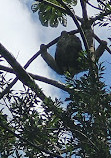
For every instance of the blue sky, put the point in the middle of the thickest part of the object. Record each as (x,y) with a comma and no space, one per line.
(22,33)
(22,36)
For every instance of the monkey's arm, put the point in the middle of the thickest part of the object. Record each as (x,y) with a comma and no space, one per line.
(100,50)
(49,59)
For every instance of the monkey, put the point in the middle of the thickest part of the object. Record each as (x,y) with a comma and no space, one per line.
(66,56)
(69,55)
(67,52)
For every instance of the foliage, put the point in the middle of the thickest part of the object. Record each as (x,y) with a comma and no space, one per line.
(105,9)
(78,127)
(7,140)
(90,108)
(50,15)
(82,129)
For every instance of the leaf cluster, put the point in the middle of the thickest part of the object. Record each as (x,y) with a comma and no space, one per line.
(43,128)
(105,7)
(51,13)
(7,140)
(81,129)
(90,109)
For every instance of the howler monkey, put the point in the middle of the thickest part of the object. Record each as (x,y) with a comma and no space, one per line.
(69,55)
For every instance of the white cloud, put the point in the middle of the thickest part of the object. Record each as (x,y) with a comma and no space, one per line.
(18,31)
(21,36)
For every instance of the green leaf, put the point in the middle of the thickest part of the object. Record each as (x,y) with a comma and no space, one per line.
(52,13)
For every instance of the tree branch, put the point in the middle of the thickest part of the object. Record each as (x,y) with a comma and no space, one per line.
(93,6)
(7,89)
(100,41)
(42,79)
(84,11)
(22,75)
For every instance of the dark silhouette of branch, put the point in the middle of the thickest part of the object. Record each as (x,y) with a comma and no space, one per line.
(42,79)
(101,16)
(6,128)
(93,6)
(7,89)
(84,10)
(22,75)
(7,69)
(100,41)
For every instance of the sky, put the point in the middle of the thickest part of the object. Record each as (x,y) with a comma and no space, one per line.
(22,36)
(22,33)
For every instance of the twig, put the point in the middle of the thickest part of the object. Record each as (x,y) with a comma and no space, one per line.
(93,6)
(101,16)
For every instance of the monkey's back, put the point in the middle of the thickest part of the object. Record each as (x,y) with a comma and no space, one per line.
(67,52)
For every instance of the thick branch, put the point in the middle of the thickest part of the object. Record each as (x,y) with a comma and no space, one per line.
(41,78)
(26,65)
(84,10)
(7,89)
(23,76)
